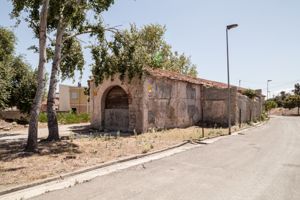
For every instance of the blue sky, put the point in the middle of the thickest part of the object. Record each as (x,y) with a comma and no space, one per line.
(266,45)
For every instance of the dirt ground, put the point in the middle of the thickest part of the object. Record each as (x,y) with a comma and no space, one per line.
(284,111)
(73,153)
(13,126)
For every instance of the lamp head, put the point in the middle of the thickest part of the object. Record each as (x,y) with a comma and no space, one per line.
(231,26)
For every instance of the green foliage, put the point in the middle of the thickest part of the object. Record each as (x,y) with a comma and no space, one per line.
(297,89)
(72,16)
(23,85)
(263,116)
(67,118)
(249,93)
(72,59)
(17,79)
(279,99)
(130,51)
(270,104)
(292,101)
(7,44)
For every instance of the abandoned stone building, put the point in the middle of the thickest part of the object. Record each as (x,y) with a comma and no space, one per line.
(161,99)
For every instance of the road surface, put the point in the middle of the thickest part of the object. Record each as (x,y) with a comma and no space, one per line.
(261,164)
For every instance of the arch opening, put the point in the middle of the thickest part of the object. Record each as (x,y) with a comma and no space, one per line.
(116,110)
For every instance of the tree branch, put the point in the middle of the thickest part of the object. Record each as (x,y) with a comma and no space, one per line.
(110,29)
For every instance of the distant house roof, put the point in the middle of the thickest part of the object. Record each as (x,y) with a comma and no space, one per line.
(186,78)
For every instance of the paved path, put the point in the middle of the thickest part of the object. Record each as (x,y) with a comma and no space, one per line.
(261,164)
(43,132)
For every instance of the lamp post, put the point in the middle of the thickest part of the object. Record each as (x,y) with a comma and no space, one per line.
(268,88)
(228,27)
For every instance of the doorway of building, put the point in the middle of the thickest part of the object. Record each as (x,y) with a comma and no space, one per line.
(116,114)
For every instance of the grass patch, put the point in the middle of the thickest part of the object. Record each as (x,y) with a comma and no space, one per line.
(67,118)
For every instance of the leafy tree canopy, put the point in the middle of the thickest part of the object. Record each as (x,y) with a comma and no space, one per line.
(74,17)
(129,51)
(17,79)
(297,89)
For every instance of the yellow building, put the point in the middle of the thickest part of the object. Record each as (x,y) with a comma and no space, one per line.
(73,98)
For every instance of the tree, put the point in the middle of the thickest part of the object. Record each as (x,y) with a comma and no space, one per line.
(37,12)
(17,79)
(270,104)
(297,89)
(130,51)
(292,101)
(68,19)
(23,85)
(7,46)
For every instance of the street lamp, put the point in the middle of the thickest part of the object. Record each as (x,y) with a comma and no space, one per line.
(268,88)
(228,27)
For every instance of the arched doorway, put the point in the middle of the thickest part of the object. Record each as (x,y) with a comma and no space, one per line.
(116,110)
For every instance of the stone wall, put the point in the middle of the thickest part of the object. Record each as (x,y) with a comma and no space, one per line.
(163,103)
(215,109)
(248,109)
(134,90)
(243,109)
(170,103)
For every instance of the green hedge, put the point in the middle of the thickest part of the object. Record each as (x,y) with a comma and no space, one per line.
(67,118)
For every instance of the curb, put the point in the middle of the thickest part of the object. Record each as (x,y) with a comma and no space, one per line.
(125,159)
(80,171)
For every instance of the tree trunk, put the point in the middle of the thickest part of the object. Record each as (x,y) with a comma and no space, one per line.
(51,112)
(36,105)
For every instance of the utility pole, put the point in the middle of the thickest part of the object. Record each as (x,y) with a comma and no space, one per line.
(240,81)
(228,77)
(268,88)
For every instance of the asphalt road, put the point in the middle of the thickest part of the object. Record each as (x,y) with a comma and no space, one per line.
(261,164)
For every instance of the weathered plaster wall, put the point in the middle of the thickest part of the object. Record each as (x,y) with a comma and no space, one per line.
(248,109)
(215,109)
(135,98)
(162,103)
(170,103)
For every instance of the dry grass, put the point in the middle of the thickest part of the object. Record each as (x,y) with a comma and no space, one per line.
(65,156)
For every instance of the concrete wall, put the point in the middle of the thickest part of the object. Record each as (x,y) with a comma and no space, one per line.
(64,98)
(80,103)
(134,90)
(170,103)
(13,115)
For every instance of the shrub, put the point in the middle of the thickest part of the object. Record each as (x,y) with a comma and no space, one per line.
(270,104)
(67,118)
(249,93)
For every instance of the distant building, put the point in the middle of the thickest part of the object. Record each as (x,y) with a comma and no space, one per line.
(73,98)
(56,103)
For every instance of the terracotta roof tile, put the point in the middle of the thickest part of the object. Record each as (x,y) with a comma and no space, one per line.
(190,79)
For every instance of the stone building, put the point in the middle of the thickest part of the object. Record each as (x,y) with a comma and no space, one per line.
(162,100)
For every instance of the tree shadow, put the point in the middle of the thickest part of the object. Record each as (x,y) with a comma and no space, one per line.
(87,130)
(2,135)
(14,149)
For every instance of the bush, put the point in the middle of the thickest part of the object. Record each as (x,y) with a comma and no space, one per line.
(67,118)
(270,104)
(43,117)
(249,93)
